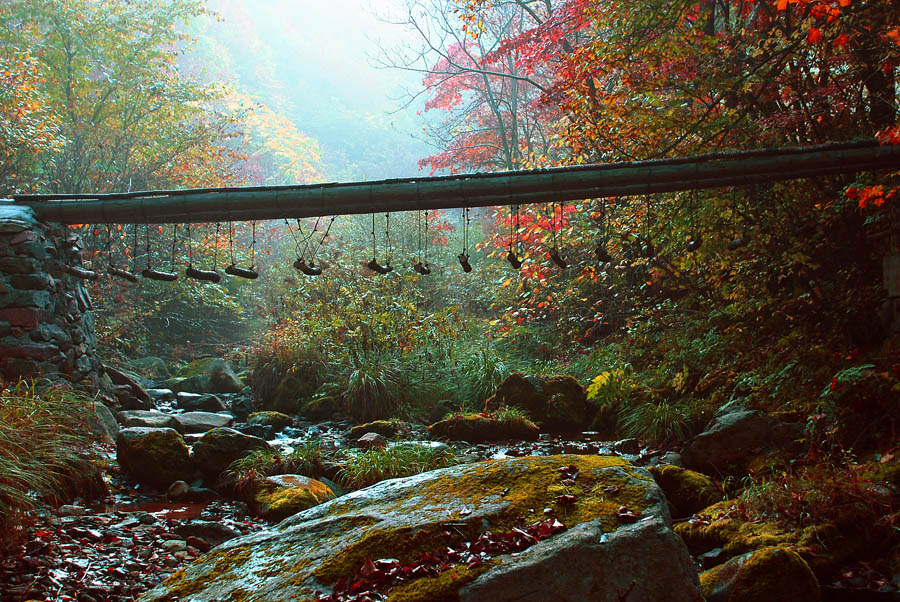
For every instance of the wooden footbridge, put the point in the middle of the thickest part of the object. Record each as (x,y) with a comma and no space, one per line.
(467,190)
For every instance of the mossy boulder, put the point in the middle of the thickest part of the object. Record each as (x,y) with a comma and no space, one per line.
(321,408)
(687,491)
(154,456)
(773,574)
(477,428)
(276,420)
(281,496)
(556,403)
(723,525)
(288,395)
(385,428)
(208,375)
(599,556)
(219,447)
(151,367)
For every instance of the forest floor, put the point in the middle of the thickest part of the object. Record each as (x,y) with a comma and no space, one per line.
(118,548)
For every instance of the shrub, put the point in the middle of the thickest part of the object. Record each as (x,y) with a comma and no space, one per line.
(610,386)
(845,492)
(44,447)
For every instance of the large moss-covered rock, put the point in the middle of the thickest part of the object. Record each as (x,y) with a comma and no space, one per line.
(276,420)
(155,456)
(722,525)
(554,402)
(208,375)
(687,491)
(322,408)
(219,447)
(281,496)
(288,395)
(772,574)
(603,556)
(385,428)
(477,428)
(151,367)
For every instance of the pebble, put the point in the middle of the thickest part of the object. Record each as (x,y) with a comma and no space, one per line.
(69,510)
(174,545)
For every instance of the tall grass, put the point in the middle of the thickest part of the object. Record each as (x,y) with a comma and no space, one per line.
(482,374)
(373,389)
(361,469)
(43,440)
(244,475)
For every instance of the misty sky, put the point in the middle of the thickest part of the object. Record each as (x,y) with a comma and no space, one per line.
(313,61)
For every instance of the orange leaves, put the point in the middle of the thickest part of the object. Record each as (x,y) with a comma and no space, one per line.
(870,195)
(894,36)
(814,35)
(890,135)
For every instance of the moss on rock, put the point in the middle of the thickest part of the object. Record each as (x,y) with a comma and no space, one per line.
(286,397)
(687,491)
(282,496)
(823,547)
(477,428)
(774,574)
(277,420)
(405,518)
(385,428)
(554,402)
(321,408)
(155,456)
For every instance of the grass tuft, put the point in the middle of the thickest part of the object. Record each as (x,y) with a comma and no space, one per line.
(361,469)
(44,448)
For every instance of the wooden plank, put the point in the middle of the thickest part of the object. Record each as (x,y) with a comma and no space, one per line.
(467,190)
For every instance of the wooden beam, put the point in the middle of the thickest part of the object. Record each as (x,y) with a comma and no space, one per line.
(467,190)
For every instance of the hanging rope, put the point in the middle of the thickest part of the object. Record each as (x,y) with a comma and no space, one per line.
(647,249)
(387,236)
(464,256)
(155,274)
(216,248)
(234,269)
(192,272)
(420,267)
(555,226)
(512,257)
(110,268)
(373,264)
(601,252)
(694,240)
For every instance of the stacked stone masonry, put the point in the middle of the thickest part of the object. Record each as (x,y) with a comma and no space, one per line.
(46,325)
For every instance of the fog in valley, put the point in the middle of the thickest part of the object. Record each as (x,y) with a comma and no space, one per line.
(315,64)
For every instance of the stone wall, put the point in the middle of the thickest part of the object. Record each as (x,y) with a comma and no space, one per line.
(46,326)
